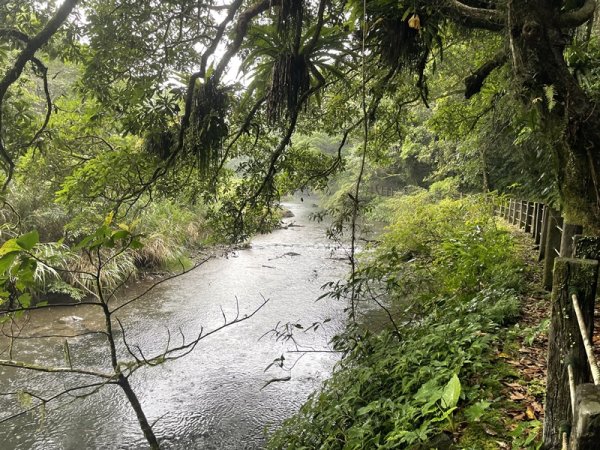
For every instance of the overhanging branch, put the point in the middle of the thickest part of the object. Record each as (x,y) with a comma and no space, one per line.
(488,19)
(474,82)
(14,34)
(13,74)
(579,16)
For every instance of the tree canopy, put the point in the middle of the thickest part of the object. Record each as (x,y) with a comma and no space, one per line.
(128,97)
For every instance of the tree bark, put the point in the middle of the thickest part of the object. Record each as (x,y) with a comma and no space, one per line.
(538,60)
(139,412)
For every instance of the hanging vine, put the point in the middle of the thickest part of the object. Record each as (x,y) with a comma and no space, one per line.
(356,197)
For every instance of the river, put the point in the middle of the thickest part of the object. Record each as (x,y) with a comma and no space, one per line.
(212,398)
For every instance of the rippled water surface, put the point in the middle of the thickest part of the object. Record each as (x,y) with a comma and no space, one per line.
(212,398)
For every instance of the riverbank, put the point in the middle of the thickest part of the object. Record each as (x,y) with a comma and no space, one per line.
(456,369)
(217,397)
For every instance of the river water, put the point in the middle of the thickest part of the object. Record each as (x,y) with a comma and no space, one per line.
(212,398)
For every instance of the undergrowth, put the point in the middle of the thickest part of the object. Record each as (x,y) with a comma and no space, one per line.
(448,276)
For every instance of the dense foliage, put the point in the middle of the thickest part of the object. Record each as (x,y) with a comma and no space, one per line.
(184,123)
(450,276)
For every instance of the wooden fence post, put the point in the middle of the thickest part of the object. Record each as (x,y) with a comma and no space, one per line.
(523,214)
(585,432)
(571,276)
(529,217)
(539,218)
(553,238)
(544,232)
(566,241)
(535,230)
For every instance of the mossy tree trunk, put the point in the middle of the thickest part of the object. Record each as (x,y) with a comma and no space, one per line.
(538,36)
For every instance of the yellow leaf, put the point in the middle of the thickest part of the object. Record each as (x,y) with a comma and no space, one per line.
(109,218)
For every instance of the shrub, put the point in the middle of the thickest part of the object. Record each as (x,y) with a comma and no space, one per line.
(452,271)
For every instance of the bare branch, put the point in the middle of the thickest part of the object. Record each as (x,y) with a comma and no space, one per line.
(47,369)
(127,346)
(49,336)
(128,302)
(44,74)
(49,305)
(44,401)
(186,348)
(276,380)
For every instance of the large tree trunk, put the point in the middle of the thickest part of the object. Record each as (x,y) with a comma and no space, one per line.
(537,45)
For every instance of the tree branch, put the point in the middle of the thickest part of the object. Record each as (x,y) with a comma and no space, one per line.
(488,19)
(577,17)
(137,297)
(13,34)
(474,82)
(47,369)
(43,401)
(44,74)
(13,74)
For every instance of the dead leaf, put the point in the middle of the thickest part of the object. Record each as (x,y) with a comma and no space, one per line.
(414,22)
(490,431)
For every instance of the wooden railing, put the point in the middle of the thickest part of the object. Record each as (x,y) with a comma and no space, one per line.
(384,191)
(572,409)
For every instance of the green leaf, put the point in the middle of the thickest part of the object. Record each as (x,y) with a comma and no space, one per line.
(10,246)
(6,262)
(474,412)
(135,244)
(25,300)
(451,393)
(28,241)
(120,234)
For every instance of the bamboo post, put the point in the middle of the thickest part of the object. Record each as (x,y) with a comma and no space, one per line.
(571,276)
(566,242)
(553,238)
(585,432)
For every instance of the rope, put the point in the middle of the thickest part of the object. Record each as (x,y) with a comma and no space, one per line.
(589,350)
